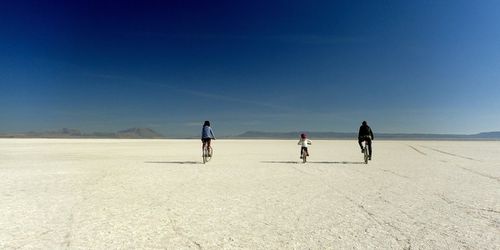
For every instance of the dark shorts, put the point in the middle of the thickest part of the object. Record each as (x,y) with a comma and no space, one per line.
(205,140)
(368,139)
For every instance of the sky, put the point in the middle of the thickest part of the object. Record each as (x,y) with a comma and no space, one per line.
(278,66)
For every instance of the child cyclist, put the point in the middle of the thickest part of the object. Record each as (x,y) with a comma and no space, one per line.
(207,135)
(304,142)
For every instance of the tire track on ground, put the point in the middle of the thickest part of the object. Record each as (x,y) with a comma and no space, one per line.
(455,155)
(459,205)
(406,242)
(403,238)
(412,220)
(488,214)
(464,168)
(463,205)
(479,173)
(171,216)
(178,231)
(68,237)
(402,234)
(394,173)
(303,172)
(420,152)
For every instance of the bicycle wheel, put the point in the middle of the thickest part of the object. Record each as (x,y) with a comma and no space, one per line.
(210,152)
(365,151)
(204,155)
(207,154)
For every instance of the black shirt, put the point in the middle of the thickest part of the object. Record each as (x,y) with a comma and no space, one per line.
(365,130)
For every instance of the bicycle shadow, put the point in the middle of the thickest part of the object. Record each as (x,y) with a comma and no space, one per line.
(287,162)
(317,162)
(174,162)
(336,162)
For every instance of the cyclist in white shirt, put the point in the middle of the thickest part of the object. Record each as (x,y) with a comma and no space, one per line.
(304,143)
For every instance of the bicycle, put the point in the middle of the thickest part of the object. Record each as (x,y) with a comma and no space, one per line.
(365,153)
(207,153)
(304,155)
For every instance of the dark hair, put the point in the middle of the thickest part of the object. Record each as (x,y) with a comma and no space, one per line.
(207,123)
(364,123)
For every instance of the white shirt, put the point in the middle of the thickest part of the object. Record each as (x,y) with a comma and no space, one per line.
(304,142)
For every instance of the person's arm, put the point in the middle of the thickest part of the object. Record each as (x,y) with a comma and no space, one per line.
(309,142)
(300,142)
(212,133)
(371,133)
(359,132)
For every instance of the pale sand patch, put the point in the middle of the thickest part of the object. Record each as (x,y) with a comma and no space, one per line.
(151,194)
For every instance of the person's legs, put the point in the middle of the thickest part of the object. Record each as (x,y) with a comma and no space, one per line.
(369,143)
(360,142)
(209,147)
(307,151)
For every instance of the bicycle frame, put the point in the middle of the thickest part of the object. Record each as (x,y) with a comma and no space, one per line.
(365,152)
(207,153)
(304,155)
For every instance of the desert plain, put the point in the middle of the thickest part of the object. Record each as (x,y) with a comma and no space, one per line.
(253,194)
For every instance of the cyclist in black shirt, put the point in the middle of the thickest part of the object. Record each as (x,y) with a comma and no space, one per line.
(365,134)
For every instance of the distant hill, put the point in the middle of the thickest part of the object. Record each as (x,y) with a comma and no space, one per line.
(386,136)
(147,133)
(293,135)
(493,135)
(131,133)
(139,133)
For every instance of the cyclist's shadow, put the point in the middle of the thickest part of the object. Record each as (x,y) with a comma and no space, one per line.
(336,162)
(174,162)
(317,162)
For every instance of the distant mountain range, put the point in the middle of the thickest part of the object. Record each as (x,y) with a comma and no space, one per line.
(386,136)
(147,133)
(132,133)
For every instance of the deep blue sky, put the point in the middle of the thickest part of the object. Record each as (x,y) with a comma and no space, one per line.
(404,66)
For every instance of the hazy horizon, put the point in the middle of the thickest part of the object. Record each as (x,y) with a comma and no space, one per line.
(266,133)
(405,67)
